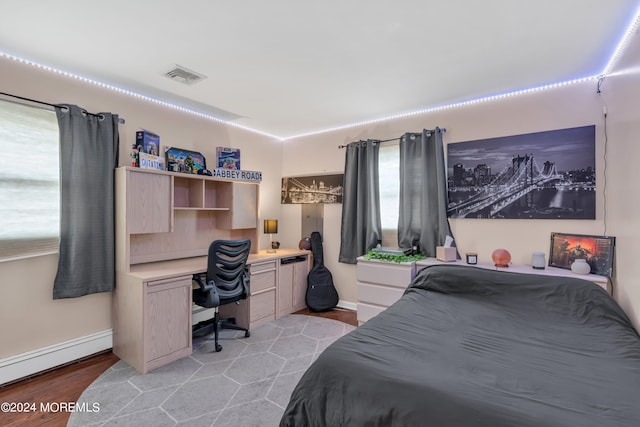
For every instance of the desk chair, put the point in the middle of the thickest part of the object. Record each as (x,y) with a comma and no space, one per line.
(227,282)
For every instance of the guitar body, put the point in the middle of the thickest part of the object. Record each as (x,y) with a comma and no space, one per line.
(321,294)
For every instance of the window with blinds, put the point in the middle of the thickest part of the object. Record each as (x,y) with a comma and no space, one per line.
(29,181)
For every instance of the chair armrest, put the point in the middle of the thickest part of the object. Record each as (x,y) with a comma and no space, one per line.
(207,296)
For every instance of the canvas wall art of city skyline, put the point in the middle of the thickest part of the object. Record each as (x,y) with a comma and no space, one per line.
(312,189)
(541,175)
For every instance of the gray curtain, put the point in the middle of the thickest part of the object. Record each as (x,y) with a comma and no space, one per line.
(88,158)
(361,227)
(423,192)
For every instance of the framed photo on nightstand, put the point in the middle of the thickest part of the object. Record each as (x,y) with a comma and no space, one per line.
(596,250)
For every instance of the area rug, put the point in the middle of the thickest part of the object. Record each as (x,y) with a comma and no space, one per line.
(248,383)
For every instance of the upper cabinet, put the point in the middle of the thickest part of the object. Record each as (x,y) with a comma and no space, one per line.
(148,204)
(167,215)
(243,200)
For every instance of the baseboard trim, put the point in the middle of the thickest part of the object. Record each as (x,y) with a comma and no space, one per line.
(32,362)
(348,305)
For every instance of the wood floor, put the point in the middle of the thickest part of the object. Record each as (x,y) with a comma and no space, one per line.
(67,383)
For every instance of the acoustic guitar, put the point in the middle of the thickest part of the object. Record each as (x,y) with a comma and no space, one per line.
(321,293)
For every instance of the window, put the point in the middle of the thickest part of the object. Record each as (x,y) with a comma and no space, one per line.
(29,181)
(389,173)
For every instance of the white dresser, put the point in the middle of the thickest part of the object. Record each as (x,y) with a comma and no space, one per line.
(380,284)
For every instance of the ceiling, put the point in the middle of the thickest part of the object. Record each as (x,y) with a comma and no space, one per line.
(290,67)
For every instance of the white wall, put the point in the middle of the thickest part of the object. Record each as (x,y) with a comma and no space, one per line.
(29,318)
(563,107)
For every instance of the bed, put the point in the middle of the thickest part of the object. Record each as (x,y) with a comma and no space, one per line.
(471,347)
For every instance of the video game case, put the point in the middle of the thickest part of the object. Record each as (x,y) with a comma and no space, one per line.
(148,142)
(228,158)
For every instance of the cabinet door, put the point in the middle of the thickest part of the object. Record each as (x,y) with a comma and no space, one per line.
(300,273)
(285,289)
(292,287)
(245,206)
(167,319)
(148,203)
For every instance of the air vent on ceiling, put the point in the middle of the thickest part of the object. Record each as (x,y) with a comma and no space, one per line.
(184,75)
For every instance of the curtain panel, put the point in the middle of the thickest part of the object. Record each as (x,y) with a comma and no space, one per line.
(88,158)
(423,192)
(361,227)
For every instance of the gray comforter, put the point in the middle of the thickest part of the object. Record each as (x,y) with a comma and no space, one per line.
(472,347)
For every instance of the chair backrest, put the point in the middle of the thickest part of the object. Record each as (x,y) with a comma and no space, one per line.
(226,267)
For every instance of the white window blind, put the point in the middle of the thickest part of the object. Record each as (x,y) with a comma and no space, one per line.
(389,173)
(29,181)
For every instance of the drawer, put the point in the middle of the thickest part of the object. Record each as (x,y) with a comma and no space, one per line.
(262,305)
(379,295)
(262,280)
(385,273)
(256,267)
(171,282)
(366,311)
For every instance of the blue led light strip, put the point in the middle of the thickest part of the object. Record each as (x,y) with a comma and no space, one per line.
(628,34)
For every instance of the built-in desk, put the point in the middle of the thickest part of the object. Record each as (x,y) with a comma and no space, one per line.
(152,317)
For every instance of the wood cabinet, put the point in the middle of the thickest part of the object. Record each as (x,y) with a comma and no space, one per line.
(260,307)
(163,217)
(165,223)
(168,215)
(148,207)
(152,321)
(243,200)
(292,284)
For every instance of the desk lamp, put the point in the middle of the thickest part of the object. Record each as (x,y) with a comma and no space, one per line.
(271,227)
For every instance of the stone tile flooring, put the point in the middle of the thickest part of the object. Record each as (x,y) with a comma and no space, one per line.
(248,383)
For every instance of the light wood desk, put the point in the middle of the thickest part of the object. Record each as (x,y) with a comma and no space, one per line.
(165,222)
(153,306)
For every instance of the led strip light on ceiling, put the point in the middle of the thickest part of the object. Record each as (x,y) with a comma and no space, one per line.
(628,34)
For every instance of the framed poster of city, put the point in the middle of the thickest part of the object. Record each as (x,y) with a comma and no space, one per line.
(542,175)
(312,189)
(596,250)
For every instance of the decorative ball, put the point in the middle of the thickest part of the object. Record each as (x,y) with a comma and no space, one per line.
(305,244)
(501,257)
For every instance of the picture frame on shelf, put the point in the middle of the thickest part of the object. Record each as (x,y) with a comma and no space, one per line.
(185,161)
(598,251)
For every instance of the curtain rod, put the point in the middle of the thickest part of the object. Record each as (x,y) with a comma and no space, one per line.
(442,130)
(120,120)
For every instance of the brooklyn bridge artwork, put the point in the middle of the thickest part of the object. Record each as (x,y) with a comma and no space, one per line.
(312,189)
(542,175)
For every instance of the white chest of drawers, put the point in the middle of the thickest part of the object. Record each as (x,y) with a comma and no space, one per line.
(380,284)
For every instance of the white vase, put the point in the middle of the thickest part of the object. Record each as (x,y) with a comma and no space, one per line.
(580,266)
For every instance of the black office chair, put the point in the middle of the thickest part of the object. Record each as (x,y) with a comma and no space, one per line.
(227,282)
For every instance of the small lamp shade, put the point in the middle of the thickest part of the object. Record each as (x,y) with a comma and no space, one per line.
(270,226)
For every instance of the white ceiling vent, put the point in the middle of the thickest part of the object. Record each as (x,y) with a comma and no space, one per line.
(184,75)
